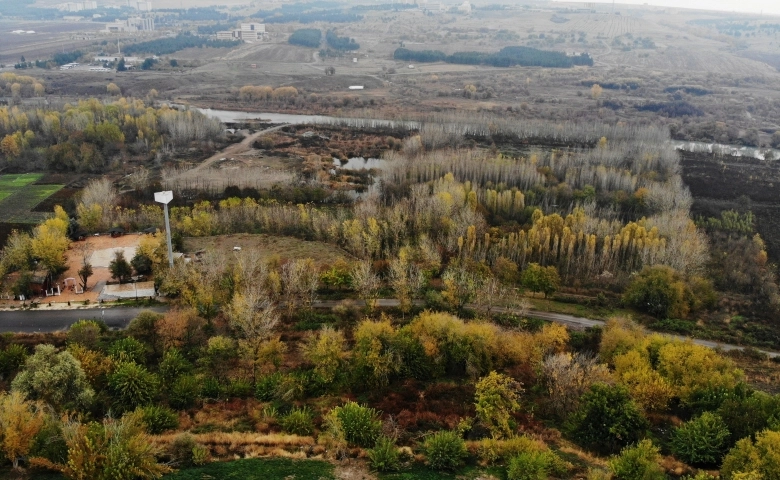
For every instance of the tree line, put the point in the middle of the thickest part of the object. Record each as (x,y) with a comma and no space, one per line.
(506,57)
(164,46)
(340,43)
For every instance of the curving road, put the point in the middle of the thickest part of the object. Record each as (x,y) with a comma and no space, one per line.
(42,320)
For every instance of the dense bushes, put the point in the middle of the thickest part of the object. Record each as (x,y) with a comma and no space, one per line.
(639,462)
(662,292)
(360,425)
(607,420)
(445,450)
(701,441)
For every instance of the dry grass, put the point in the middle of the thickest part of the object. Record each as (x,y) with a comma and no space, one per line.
(217,179)
(234,445)
(269,247)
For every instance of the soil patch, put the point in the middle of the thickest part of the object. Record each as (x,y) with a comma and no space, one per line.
(269,247)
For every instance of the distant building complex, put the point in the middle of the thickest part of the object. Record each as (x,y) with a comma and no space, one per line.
(77,6)
(248,32)
(135,24)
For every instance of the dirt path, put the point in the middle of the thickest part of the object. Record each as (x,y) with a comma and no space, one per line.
(234,149)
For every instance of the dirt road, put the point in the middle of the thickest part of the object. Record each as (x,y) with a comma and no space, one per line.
(235,149)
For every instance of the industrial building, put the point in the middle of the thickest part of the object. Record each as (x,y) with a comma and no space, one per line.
(249,32)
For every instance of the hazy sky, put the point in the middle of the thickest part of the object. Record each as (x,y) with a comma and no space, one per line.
(753,6)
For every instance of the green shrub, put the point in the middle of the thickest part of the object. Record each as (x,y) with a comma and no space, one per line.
(445,450)
(173,365)
(211,389)
(128,349)
(749,414)
(528,466)
(701,441)
(299,421)
(607,420)
(12,359)
(361,425)
(239,388)
(291,387)
(639,462)
(184,392)
(86,332)
(384,456)
(186,452)
(158,419)
(265,388)
(200,455)
(132,385)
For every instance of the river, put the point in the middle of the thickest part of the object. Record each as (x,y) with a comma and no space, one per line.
(230,116)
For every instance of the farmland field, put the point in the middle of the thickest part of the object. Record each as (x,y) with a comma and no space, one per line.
(19,196)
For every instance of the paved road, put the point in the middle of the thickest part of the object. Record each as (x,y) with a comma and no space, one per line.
(42,320)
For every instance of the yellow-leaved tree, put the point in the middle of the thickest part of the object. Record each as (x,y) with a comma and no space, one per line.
(50,241)
(20,422)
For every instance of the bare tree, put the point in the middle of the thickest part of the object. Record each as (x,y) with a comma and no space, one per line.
(85,252)
(366,282)
(569,376)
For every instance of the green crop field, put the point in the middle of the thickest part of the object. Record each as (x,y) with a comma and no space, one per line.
(18,196)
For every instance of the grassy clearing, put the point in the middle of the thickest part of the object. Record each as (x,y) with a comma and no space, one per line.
(259,469)
(18,181)
(419,472)
(269,247)
(16,207)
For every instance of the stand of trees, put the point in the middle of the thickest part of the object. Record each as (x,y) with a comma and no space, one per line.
(306,37)
(340,43)
(165,46)
(326,16)
(506,57)
(86,136)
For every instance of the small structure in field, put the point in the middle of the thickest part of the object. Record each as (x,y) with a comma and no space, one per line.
(356,87)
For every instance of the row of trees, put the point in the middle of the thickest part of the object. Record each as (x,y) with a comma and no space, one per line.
(20,86)
(340,43)
(166,46)
(506,57)
(261,93)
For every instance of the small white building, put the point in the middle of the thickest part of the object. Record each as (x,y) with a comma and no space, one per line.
(356,87)
(143,6)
